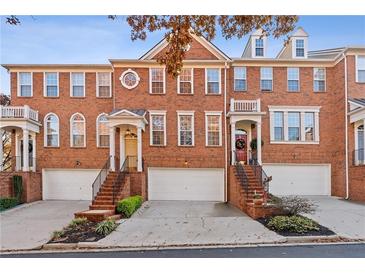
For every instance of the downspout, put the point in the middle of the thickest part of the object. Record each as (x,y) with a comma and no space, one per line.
(346,132)
(225,134)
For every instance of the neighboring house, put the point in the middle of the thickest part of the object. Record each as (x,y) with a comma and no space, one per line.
(182,136)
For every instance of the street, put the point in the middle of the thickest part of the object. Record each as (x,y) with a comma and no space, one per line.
(303,251)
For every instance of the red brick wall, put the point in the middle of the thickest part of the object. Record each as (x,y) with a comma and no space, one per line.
(357,183)
(355,90)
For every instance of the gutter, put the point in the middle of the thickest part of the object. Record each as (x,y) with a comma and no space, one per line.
(225,133)
(346,132)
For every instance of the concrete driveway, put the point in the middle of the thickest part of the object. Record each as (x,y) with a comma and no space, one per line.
(345,218)
(31,225)
(184,223)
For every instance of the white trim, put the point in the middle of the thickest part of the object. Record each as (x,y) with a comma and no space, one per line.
(150,81)
(213,113)
(294,108)
(45,85)
(287,79)
(253,46)
(158,112)
(357,69)
(45,129)
(191,81)
(325,79)
(272,79)
(97,130)
(186,112)
(71,90)
(18,84)
(97,84)
(234,79)
(219,83)
(121,78)
(71,135)
(294,47)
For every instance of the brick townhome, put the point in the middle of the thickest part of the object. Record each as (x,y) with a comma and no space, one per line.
(181,138)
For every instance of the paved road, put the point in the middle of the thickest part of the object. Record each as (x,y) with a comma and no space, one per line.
(307,251)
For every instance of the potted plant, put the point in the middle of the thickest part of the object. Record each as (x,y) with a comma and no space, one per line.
(253,146)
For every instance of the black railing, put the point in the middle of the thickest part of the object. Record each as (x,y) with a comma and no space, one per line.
(242,176)
(359,157)
(99,180)
(119,181)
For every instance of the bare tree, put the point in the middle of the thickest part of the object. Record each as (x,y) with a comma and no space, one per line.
(6,137)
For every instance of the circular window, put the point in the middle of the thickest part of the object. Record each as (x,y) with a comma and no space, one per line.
(129,79)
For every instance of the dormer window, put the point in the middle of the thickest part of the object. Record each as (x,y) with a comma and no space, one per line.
(259,47)
(299,47)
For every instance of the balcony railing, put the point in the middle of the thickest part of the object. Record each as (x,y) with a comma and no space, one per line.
(245,105)
(24,112)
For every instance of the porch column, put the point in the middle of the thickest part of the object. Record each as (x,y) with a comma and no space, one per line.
(1,150)
(122,147)
(363,122)
(34,160)
(139,149)
(25,150)
(17,152)
(233,143)
(112,148)
(258,138)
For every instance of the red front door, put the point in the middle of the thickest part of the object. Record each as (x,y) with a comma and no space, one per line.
(241,147)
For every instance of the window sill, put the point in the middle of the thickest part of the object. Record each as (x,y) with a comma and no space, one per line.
(102,147)
(19,96)
(150,93)
(51,97)
(186,146)
(322,91)
(157,145)
(267,91)
(294,142)
(48,147)
(77,97)
(240,91)
(185,94)
(78,147)
(103,97)
(209,146)
(293,91)
(213,94)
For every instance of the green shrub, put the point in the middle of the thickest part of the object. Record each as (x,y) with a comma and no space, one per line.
(129,205)
(294,205)
(106,227)
(58,234)
(296,224)
(77,221)
(18,187)
(6,203)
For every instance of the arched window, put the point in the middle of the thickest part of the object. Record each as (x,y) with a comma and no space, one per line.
(102,131)
(51,133)
(78,130)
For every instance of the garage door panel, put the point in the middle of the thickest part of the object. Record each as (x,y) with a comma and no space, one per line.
(299,179)
(186,184)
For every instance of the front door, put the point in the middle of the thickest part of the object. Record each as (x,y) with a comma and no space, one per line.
(241,146)
(131,151)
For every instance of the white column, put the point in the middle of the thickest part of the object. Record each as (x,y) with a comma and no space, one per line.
(286,133)
(258,138)
(34,156)
(139,149)
(112,148)
(302,126)
(17,152)
(1,150)
(122,147)
(363,122)
(233,143)
(25,150)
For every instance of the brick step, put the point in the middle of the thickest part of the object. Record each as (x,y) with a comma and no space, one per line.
(103,202)
(96,215)
(111,207)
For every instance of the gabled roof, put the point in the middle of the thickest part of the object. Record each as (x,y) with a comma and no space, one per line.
(358,101)
(300,32)
(129,112)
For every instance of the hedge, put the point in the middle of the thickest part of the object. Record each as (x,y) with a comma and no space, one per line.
(129,205)
(6,203)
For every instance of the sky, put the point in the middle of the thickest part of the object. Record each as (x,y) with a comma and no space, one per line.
(95,39)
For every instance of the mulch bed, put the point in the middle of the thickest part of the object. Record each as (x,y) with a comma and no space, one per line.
(323,231)
(81,233)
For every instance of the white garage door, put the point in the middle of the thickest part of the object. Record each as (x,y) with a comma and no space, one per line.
(299,179)
(68,184)
(190,184)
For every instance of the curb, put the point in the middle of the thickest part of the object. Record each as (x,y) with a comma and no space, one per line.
(313,239)
(19,207)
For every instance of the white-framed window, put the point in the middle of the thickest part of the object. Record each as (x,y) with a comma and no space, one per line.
(52,130)
(157,81)
(129,79)
(77,84)
(266,76)
(185,128)
(294,124)
(240,79)
(185,81)
(51,88)
(78,130)
(158,128)
(25,84)
(360,68)
(212,81)
(359,153)
(259,47)
(293,79)
(213,128)
(103,84)
(299,48)
(319,79)
(102,131)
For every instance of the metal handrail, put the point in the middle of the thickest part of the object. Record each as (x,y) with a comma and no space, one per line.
(359,157)
(117,184)
(242,176)
(99,180)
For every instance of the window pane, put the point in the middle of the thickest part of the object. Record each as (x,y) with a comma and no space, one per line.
(52,140)
(319,74)
(25,78)
(78,91)
(360,62)
(78,140)
(103,78)
(293,73)
(309,126)
(293,134)
(157,87)
(104,91)
(158,122)
(278,119)
(213,75)
(266,73)
(293,119)
(77,78)
(185,81)
(239,85)
(186,138)
(319,85)
(300,43)
(299,52)
(185,74)
(25,90)
(213,138)
(266,85)
(239,73)
(52,91)
(278,134)
(259,43)
(104,140)
(361,76)
(158,137)
(51,78)
(213,127)
(185,122)
(293,85)
(213,87)
(157,74)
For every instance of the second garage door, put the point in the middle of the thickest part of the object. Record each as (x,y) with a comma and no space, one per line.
(289,179)
(190,184)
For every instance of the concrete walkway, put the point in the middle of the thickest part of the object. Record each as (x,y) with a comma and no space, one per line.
(345,218)
(175,223)
(31,225)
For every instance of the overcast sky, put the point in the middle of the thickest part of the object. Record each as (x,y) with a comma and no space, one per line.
(95,39)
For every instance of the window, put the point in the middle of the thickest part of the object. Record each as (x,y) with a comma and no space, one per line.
(158,128)
(360,69)
(240,79)
(294,126)
(299,47)
(259,47)
(102,131)
(157,80)
(213,79)
(25,88)
(51,135)
(309,126)
(129,79)
(213,130)
(78,130)
(51,84)
(293,79)
(278,126)
(266,79)
(185,81)
(319,77)
(103,84)
(77,84)
(359,153)
(186,128)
